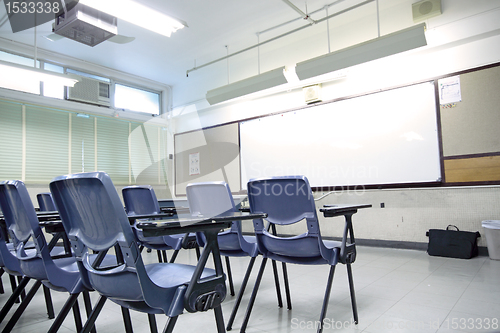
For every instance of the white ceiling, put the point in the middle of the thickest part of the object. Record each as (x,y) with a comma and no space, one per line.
(213,24)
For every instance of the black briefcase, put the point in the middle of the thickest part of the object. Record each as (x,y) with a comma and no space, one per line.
(452,243)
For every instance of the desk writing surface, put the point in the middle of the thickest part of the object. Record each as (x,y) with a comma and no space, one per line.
(338,210)
(186,224)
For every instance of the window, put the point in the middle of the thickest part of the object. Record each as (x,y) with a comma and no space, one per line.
(134,99)
(51,89)
(39,143)
(18,83)
(125,97)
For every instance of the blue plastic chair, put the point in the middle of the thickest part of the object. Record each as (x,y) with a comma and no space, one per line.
(95,219)
(141,200)
(13,268)
(58,273)
(288,200)
(214,198)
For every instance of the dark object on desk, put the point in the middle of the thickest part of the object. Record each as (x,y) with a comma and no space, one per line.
(452,243)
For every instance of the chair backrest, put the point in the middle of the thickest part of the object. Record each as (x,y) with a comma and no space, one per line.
(210,198)
(286,200)
(19,212)
(45,202)
(93,211)
(214,198)
(140,199)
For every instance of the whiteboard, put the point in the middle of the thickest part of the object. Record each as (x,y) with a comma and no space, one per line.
(389,137)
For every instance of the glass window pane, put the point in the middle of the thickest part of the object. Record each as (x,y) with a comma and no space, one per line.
(134,99)
(11,147)
(92,76)
(51,89)
(18,83)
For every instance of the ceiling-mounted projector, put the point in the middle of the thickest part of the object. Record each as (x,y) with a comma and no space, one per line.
(85,25)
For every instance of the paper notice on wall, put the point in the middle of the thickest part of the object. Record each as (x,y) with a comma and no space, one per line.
(194,164)
(449,90)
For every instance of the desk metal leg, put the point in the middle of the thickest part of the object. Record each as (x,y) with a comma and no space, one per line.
(229,276)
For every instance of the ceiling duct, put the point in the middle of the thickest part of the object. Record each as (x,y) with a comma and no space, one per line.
(86,25)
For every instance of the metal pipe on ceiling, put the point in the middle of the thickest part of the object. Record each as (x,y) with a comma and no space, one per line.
(278,37)
(305,16)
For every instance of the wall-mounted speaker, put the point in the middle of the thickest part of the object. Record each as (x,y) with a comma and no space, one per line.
(425,9)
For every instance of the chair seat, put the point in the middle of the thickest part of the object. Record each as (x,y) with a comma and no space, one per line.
(171,275)
(161,274)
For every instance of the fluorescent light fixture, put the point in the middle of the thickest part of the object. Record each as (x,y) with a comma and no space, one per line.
(377,48)
(253,84)
(21,73)
(137,14)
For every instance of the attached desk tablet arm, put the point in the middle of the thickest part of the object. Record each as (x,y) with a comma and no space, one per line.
(347,251)
(204,293)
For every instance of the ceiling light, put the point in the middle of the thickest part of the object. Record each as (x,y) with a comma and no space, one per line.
(138,14)
(21,72)
(253,84)
(377,48)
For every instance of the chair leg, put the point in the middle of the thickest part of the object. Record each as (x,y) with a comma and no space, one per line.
(164,253)
(240,294)
(64,313)
(169,326)
(89,325)
(353,295)
(287,287)
(152,323)
(13,284)
(77,316)
(48,302)
(254,295)
(277,283)
(23,293)
(127,321)
(13,298)
(229,276)
(15,317)
(219,320)
(88,307)
(1,283)
(326,299)
(197,249)
(174,256)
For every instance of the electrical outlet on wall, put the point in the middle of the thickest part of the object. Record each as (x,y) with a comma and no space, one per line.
(194,164)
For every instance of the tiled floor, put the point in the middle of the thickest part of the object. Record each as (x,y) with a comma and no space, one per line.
(397,291)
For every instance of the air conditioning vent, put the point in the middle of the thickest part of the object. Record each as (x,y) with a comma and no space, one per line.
(90,91)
